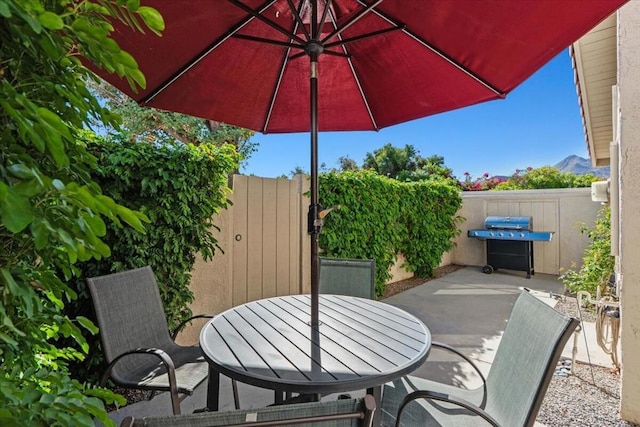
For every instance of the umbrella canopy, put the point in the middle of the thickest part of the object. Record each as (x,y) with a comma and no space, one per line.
(328,65)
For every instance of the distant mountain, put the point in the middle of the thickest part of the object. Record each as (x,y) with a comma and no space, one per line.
(580,166)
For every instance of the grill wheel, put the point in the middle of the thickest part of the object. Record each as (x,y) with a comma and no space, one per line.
(487,269)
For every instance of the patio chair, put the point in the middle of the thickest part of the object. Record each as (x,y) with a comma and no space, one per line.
(353,277)
(513,390)
(337,413)
(136,341)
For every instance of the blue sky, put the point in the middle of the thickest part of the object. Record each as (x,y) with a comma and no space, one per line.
(538,124)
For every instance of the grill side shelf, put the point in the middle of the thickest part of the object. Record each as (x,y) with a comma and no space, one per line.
(522,235)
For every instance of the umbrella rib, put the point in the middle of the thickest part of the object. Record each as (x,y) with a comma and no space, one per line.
(258,15)
(356,79)
(327,6)
(325,52)
(296,15)
(200,56)
(364,36)
(276,89)
(438,52)
(338,30)
(268,41)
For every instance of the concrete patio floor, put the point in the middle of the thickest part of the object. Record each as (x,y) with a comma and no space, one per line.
(466,309)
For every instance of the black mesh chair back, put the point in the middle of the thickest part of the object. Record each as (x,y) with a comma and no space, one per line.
(353,277)
(135,336)
(516,384)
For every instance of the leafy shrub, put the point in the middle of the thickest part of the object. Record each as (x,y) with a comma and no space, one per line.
(597,263)
(528,179)
(380,217)
(52,214)
(179,188)
(545,177)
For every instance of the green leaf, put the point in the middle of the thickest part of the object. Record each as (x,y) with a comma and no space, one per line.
(96,223)
(4,10)
(69,244)
(28,188)
(20,170)
(51,21)
(152,18)
(6,321)
(130,218)
(40,233)
(17,291)
(57,184)
(15,210)
(133,5)
(103,249)
(87,324)
(7,340)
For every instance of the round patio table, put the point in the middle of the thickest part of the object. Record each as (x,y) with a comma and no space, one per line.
(269,343)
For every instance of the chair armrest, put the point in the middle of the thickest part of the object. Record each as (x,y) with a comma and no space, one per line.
(431,395)
(181,326)
(162,355)
(456,351)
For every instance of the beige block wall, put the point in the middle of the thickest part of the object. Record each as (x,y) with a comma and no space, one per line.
(629,159)
(213,281)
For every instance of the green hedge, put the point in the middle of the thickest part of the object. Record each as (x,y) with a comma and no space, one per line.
(179,188)
(380,217)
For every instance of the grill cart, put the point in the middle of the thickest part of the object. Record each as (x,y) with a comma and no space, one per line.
(509,242)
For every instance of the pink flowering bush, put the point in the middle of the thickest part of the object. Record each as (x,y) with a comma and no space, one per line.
(526,179)
(485,182)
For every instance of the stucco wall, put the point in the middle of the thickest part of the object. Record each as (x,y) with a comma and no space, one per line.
(210,281)
(629,159)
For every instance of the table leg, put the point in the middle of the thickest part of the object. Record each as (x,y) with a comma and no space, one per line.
(278,397)
(377,394)
(213,390)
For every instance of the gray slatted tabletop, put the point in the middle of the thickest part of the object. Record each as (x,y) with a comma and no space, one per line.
(269,343)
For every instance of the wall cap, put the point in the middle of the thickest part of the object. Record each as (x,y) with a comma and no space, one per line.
(528,194)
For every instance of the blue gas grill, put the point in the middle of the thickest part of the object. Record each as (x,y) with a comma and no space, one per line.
(509,242)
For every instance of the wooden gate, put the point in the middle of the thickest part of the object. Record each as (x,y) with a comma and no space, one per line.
(268,237)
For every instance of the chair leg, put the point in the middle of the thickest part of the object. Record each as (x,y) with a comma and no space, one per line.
(175,402)
(236,399)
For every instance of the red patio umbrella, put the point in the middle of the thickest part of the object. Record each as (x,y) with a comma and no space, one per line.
(328,65)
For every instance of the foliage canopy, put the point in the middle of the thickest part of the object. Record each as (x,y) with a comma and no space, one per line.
(158,127)
(52,214)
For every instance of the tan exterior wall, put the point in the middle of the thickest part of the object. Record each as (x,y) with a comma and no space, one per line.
(629,159)
(210,281)
(559,211)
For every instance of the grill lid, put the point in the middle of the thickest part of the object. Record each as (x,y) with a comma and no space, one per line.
(508,222)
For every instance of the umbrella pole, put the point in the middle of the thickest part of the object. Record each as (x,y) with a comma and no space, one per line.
(314,208)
